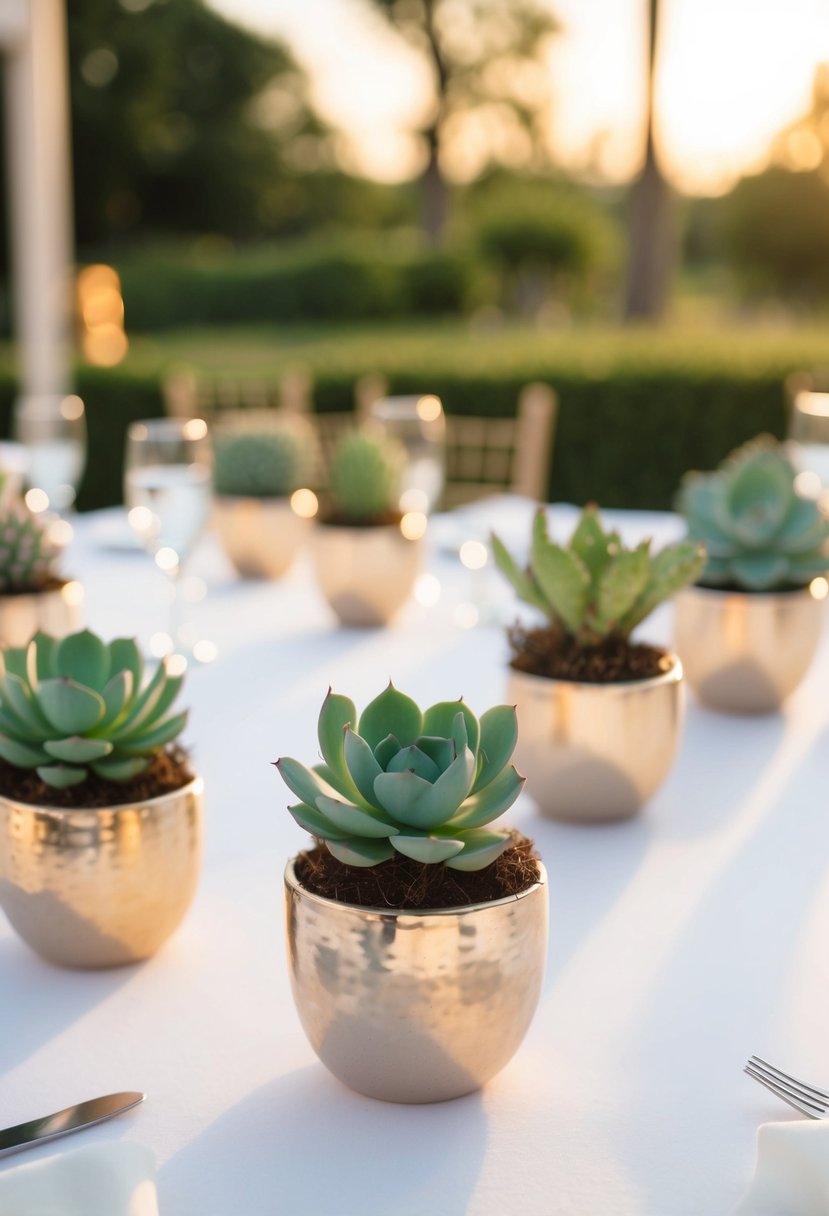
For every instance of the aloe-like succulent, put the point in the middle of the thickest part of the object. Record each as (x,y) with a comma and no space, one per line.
(365,476)
(262,461)
(423,784)
(759,533)
(78,705)
(594,587)
(27,556)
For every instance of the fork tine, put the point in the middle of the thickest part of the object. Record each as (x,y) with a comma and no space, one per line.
(789,1079)
(796,1100)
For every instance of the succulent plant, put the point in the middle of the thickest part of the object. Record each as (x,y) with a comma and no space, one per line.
(365,476)
(398,780)
(77,705)
(594,587)
(263,461)
(759,533)
(27,556)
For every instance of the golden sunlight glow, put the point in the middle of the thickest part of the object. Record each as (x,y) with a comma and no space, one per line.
(204,651)
(304,503)
(429,409)
(473,554)
(176,665)
(101,313)
(161,644)
(819,588)
(413,525)
(72,593)
(427,590)
(166,559)
(36,500)
(808,484)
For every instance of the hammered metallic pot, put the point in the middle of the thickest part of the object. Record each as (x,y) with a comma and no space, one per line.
(58,612)
(100,888)
(596,752)
(366,574)
(744,652)
(261,536)
(416,1006)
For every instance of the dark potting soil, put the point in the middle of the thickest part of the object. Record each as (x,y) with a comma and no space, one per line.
(334,520)
(168,771)
(403,883)
(544,652)
(46,584)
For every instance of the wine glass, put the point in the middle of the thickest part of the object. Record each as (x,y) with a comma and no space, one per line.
(809,433)
(418,423)
(52,431)
(168,491)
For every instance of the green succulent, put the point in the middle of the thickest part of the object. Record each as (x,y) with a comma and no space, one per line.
(263,462)
(594,587)
(77,705)
(27,556)
(398,780)
(759,533)
(365,476)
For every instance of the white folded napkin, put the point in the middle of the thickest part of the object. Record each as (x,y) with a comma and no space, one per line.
(791,1177)
(104,1180)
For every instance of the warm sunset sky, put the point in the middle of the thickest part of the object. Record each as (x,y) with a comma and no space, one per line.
(732,73)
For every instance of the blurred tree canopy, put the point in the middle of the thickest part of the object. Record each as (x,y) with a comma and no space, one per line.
(183,123)
(489,78)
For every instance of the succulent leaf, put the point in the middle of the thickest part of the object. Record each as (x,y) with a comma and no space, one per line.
(480,848)
(562,576)
(499,735)
(315,822)
(70,707)
(21,755)
(83,657)
(61,776)
(428,849)
(336,714)
(441,720)
(391,713)
(491,801)
(360,851)
(352,821)
(119,768)
(77,750)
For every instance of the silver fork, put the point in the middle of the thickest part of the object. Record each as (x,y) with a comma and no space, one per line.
(802,1096)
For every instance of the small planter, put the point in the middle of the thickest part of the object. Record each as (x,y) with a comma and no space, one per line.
(102,887)
(58,611)
(596,752)
(746,651)
(365,573)
(261,536)
(415,1006)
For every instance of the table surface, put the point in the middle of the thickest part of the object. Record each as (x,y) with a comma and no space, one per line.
(680,943)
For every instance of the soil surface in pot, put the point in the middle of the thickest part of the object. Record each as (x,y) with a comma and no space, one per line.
(49,584)
(403,883)
(544,652)
(736,589)
(167,771)
(333,519)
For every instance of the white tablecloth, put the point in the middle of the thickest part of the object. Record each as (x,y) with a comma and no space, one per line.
(680,943)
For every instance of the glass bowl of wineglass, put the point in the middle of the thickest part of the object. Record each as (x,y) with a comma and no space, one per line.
(418,423)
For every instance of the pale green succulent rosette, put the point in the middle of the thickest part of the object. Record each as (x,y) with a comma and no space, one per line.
(594,587)
(77,706)
(759,533)
(422,784)
(27,556)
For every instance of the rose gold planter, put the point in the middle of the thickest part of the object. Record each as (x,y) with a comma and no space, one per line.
(366,574)
(58,612)
(415,1006)
(596,752)
(744,652)
(99,888)
(261,536)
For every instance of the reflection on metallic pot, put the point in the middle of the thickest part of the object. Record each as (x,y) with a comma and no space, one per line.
(99,888)
(366,574)
(416,1006)
(596,752)
(59,612)
(261,536)
(745,651)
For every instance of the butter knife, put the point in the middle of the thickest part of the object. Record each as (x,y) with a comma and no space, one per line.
(83,1114)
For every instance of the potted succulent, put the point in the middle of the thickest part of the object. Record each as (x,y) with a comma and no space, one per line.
(259,465)
(33,596)
(367,554)
(747,631)
(100,815)
(416,931)
(599,714)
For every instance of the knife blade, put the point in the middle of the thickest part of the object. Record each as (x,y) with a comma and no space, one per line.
(83,1114)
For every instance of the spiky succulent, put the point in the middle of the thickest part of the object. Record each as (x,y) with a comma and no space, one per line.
(365,476)
(594,587)
(262,461)
(398,780)
(79,705)
(760,534)
(27,556)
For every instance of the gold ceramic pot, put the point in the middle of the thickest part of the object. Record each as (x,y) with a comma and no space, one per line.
(415,1006)
(745,651)
(366,574)
(99,888)
(58,612)
(596,752)
(261,536)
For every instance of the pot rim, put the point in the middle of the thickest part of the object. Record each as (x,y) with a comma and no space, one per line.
(17,597)
(195,786)
(293,884)
(363,529)
(673,675)
(264,499)
(722,593)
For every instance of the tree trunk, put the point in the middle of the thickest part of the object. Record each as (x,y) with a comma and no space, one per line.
(652,236)
(435,196)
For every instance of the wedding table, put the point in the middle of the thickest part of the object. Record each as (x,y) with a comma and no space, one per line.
(680,942)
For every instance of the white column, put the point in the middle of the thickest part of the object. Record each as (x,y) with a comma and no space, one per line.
(39,194)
